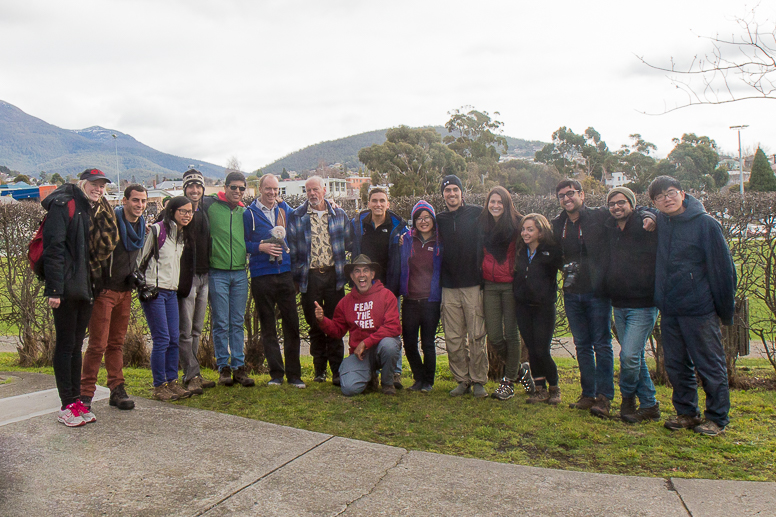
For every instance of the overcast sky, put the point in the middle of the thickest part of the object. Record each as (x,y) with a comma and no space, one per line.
(210,79)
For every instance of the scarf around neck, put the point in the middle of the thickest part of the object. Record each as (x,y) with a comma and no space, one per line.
(129,237)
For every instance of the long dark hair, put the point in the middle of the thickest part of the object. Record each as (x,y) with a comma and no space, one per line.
(169,216)
(505,228)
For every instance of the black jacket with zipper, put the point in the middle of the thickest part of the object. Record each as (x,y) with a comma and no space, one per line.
(460,234)
(66,245)
(630,277)
(536,283)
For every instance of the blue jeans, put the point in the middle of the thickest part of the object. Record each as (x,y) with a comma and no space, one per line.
(228,293)
(690,344)
(162,316)
(633,328)
(590,322)
(356,373)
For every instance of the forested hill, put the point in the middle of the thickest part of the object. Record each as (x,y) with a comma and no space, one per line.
(345,150)
(30,145)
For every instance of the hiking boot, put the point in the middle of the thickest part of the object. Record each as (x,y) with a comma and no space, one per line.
(462,389)
(70,416)
(397,381)
(206,384)
(120,399)
(583,403)
(335,380)
(628,407)
(241,376)
(297,383)
(540,395)
(416,386)
(708,428)
(601,406)
(682,422)
(505,391)
(275,382)
(389,389)
(86,412)
(554,398)
(479,391)
(195,386)
(525,378)
(164,394)
(177,389)
(644,413)
(225,377)
(320,377)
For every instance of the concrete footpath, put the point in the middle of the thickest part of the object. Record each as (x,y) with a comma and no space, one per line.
(162,459)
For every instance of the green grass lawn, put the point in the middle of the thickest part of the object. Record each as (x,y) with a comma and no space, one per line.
(508,432)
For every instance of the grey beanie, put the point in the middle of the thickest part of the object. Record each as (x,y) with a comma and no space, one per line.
(625,191)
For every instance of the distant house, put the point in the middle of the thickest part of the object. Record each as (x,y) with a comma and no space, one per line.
(335,187)
(170,185)
(616,179)
(355,182)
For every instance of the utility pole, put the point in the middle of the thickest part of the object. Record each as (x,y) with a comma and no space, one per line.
(118,178)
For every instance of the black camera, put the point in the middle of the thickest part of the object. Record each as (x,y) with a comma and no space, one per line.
(570,274)
(136,279)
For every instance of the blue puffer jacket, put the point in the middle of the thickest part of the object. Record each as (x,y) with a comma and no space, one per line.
(694,274)
(257,228)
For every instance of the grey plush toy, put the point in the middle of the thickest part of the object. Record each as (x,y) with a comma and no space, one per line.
(278,237)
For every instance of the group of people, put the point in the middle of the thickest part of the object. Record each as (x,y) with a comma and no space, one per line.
(482,271)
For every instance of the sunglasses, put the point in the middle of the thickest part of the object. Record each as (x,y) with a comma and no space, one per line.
(235,187)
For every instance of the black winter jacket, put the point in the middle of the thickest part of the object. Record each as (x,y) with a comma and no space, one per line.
(536,283)
(593,262)
(694,274)
(460,233)
(66,245)
(630,277)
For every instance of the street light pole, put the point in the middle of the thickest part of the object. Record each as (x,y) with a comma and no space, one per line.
(118,178)
(740,160)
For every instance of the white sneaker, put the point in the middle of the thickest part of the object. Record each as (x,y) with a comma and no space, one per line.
(86,412)
(70,416)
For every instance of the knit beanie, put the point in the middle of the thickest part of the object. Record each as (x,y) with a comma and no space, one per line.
(452,179)
(193,176)
(625,191)
(420,206)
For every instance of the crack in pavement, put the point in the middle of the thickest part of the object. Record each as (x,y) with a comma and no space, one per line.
(670,486)
(377,483)
(229,496)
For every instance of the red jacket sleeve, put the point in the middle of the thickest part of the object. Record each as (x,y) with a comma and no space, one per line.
(391,326)
(336,327)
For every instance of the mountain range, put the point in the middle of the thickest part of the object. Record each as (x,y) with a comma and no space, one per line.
(30,145)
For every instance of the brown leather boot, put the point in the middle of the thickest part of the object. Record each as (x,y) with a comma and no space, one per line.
(541,395)
(583,403)
(554,398)
(601,406)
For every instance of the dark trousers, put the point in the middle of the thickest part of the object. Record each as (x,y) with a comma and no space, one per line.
(536,324)
(690,344)
(322,288)
(70,321)
(424,316)
(278,290)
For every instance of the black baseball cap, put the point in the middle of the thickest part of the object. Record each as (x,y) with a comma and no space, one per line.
(94,175)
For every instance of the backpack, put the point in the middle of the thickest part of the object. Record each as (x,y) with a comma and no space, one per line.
(35,247)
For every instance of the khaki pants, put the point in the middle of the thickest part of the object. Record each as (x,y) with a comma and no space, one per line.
(462,317)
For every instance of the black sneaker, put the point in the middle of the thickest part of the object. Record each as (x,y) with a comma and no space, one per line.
(416,386)
(86,401)
(427,386)
(505,391)
(335,379)
(225,377)
(525,378)
(120,399)
(321,377)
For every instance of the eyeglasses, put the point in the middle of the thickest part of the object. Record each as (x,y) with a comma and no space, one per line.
(568,194)
(669,194)
(185,212)
(235,187)
(621,203)
(424,219)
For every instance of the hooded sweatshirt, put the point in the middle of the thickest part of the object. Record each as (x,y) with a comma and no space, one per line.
(694,274)
(368,317)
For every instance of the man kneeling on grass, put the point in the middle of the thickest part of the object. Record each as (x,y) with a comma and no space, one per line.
(371,315)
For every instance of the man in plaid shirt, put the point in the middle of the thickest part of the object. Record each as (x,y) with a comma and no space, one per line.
(318,235)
